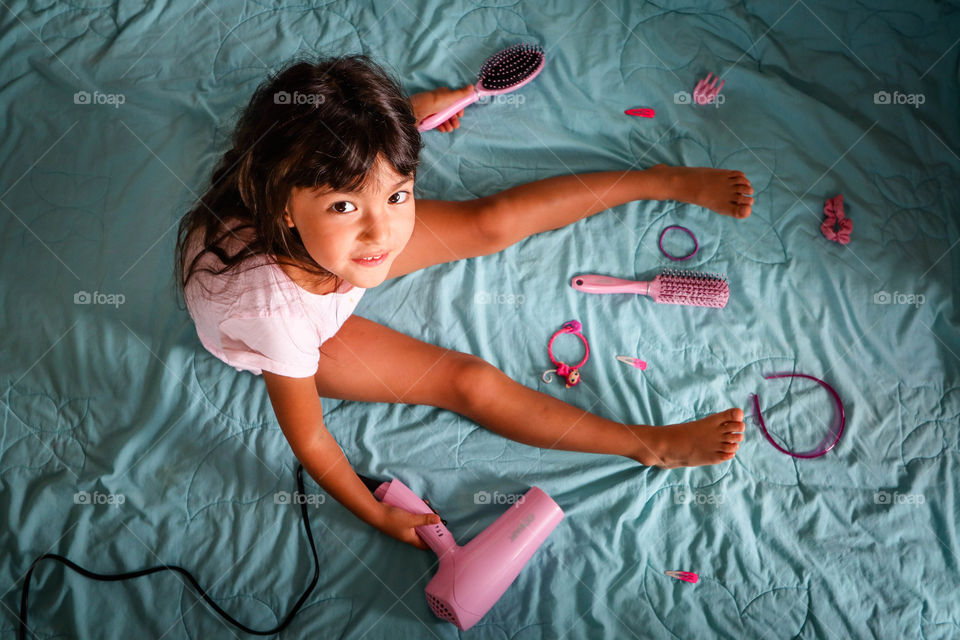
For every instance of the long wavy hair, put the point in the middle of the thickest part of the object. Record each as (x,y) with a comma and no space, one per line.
(313,124)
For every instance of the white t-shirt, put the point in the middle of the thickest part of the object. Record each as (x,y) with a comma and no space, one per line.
(259,318)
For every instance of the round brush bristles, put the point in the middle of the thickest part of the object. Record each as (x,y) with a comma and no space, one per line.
(511,66)
(692,288)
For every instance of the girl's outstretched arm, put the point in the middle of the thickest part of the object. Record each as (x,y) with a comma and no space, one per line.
(300,414)
(552,203)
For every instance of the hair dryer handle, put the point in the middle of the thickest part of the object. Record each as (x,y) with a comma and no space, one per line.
(397,494)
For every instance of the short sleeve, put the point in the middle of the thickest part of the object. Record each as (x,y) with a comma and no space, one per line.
(285,345)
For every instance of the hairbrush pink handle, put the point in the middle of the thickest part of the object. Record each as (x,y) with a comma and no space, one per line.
(590,283)
(436,119)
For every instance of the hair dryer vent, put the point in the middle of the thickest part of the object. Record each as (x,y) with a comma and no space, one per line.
(441,610)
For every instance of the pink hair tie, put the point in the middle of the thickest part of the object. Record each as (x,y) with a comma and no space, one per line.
(696,245)
(572,374)
(836,226)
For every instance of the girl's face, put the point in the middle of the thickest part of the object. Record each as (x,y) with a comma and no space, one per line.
(338,228)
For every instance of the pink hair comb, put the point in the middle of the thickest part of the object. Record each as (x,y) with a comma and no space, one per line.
(706,90)
(673,286)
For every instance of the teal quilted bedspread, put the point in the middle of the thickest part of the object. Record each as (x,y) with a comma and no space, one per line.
(124,444)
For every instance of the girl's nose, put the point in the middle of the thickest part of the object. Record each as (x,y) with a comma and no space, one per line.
(378,227)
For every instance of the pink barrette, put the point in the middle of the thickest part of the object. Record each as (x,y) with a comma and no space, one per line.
(836,226)
(706,90)
(633,362)
(643,112)
(686,576)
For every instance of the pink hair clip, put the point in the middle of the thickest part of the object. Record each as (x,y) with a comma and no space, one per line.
(706,90)
(633,362)
(642,112)
(836,226)
(686,576)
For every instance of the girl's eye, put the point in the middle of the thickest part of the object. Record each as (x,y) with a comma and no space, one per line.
(336,207)
(340,207)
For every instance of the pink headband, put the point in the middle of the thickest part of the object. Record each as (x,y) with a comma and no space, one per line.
(811,454)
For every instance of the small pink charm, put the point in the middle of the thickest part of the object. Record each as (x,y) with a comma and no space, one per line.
(707,90)
(686,576)
(573,378)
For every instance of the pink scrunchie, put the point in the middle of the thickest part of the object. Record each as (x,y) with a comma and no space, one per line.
(836,226)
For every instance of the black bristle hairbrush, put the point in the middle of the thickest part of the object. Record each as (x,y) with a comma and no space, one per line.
(503,72)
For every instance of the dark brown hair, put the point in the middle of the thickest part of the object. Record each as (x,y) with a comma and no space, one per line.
(313,124)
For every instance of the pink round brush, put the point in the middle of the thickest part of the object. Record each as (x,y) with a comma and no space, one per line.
(673,286)
(503,72)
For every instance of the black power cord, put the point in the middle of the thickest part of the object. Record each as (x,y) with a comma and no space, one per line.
(22,635)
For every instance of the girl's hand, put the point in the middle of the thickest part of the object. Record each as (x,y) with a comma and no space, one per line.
(433,101)
(400,524)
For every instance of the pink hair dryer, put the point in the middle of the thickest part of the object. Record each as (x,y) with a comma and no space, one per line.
(472,578)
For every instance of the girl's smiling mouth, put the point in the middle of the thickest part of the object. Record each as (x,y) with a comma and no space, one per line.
(377,259)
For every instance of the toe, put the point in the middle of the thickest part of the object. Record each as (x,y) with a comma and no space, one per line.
(735,415)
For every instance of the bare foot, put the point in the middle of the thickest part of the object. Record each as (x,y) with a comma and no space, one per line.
(710,440)
(726,192)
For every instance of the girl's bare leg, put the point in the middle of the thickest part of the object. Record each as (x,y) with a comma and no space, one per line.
(368,362)
(531,417)
(551,203)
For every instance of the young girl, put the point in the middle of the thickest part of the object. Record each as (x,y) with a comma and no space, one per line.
(314,205)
